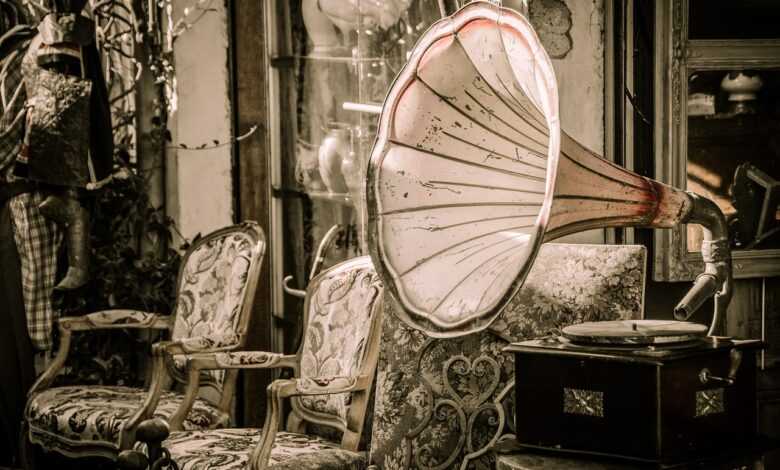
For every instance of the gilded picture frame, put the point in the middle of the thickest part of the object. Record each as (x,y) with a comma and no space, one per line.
(676,58)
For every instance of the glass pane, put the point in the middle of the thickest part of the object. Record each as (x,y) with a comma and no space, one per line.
(734,152)
(345,56)
(729,19)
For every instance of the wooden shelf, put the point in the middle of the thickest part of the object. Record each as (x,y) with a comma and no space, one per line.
(338,198)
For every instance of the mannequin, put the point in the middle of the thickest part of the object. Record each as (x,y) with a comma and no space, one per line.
(17,371)
(42,181)
(62,77)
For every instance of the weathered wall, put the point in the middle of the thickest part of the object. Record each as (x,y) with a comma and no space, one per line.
(572,32)
(199,182)
(571,29)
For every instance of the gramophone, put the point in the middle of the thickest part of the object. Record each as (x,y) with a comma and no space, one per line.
(470,173)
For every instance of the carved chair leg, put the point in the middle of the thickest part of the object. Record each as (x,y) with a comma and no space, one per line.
(295,423)
(151,432)
(132,460)
(27,450)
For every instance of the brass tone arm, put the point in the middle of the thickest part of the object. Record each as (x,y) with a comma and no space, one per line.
(716,280)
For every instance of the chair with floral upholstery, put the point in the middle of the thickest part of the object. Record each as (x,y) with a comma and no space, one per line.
(442,403)
(333,369)
(215,291)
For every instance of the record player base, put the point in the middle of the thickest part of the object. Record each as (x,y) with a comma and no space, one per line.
(528,459)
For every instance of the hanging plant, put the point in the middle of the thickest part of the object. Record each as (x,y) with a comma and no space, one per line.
(135,247)
(134,260)
(122,275)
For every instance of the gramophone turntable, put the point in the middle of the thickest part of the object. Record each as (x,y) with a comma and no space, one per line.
(470,173)
(652,390)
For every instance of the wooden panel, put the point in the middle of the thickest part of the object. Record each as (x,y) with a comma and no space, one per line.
(542,382)
(250,99)
(745,318)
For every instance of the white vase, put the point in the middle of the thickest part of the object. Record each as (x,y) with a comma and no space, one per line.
(743,91)
(741,87)
(350,169)
(333,149)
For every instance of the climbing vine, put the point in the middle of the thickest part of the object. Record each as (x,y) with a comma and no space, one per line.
(135,247)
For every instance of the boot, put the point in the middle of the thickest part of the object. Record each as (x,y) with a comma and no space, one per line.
(77,238)
(54,208)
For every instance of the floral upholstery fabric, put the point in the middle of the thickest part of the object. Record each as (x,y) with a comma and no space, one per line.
(340,307)
(441,403)
(64,417)
(230,449)
(211,291)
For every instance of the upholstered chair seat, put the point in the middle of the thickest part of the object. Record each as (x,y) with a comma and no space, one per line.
(214,297)
(98,414)
(334,372)
(226,449)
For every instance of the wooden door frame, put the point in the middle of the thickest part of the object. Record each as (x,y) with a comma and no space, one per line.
(252,177)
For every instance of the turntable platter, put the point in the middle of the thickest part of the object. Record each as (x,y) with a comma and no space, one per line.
(634,332)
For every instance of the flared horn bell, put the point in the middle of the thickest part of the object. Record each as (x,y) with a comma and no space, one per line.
(470,173)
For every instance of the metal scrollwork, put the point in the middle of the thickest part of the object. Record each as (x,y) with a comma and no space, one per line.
(470,408)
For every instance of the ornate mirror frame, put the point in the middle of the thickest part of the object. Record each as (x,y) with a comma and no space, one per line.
(676,58)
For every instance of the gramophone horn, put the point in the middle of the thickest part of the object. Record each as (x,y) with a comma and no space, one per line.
(470,173)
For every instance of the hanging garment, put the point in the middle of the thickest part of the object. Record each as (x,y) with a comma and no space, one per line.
(17,371)
(37,240)
(68,140)
(58,119)
(13,96)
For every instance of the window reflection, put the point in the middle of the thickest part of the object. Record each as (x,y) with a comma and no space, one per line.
(734,152)
(729,19)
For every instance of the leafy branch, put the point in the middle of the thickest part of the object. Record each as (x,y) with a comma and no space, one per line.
(216,143)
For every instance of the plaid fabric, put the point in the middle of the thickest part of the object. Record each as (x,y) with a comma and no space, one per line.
(38,240)
(12,105)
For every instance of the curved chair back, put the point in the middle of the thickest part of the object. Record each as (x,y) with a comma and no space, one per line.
(442,403)
(215,292)
(342,318)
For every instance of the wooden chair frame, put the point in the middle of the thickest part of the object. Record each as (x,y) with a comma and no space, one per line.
(359,385)
(161,379)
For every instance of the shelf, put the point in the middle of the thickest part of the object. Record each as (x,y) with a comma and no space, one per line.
(725,127)
(339,198)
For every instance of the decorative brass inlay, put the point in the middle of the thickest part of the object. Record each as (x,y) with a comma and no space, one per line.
(709,402)
(583,402)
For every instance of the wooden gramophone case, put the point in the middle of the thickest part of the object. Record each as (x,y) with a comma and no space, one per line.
(470,173)
(659,404)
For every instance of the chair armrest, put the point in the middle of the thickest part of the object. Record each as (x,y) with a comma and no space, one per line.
(197,362)
(183,348)
(319,385)
(198,344)
(283,388)
(115,319)
(241,360)
(102,320)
